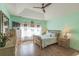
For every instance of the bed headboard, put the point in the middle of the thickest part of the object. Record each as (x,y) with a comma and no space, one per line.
(56,32)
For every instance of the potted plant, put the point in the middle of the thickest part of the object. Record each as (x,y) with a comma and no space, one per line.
(3,39)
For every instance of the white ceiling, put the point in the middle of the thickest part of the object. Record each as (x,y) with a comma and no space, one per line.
(26,10)
(59,10)
(22,6)
(54,10)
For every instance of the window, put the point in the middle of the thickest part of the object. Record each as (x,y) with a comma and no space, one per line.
(30,31)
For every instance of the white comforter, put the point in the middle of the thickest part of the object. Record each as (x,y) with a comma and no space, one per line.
(47,40)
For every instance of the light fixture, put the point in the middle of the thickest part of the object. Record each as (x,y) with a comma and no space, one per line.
(67,32)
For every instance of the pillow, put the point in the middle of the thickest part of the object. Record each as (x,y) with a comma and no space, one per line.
(51,35)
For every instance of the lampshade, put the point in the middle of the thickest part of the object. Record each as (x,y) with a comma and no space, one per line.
(66,29)
(66,32)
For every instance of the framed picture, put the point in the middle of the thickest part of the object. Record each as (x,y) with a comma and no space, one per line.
(25,25)
(38,25)
(15,24)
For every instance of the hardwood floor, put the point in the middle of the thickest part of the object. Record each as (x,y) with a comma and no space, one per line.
(30,49)
(10,51)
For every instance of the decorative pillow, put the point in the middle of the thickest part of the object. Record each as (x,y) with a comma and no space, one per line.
(51,34)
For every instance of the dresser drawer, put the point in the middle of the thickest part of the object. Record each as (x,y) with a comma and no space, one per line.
(64,43)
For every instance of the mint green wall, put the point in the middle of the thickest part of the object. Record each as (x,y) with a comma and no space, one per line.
(73,22)
(27,20)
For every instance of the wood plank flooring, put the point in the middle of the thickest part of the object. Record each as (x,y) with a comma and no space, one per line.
(7,51)
(30,49)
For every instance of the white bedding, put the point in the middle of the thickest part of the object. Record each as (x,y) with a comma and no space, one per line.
(47,40)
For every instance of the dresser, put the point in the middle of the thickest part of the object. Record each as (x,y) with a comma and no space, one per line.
(64,42)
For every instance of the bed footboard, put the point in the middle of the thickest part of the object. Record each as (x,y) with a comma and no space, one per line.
(37,40)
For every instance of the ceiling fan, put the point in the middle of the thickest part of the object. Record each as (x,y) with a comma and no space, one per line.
(44,5)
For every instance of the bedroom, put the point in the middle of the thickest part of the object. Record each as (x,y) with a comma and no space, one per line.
(32,25)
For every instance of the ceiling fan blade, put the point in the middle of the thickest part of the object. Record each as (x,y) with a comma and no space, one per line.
(42,5)
(47,5)
(37,7)
(44,10)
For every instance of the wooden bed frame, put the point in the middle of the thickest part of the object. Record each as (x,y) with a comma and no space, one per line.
(37,40)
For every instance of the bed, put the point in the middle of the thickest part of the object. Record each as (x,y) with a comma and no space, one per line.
(47,39)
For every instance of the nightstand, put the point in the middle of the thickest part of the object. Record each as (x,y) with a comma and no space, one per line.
(64,42)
